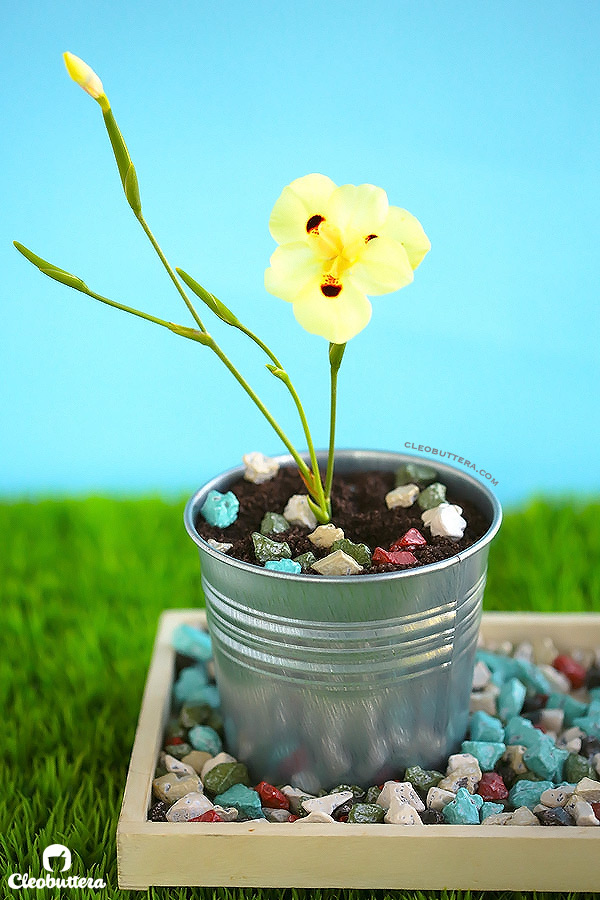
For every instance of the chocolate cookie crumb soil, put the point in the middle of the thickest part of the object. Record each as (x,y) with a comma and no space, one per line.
(359,509)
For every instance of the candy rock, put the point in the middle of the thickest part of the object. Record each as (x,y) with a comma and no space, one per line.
(173,787)
(328,803)
(325,535)
(220,510)
(265,549)
(413,538)
(189,807)
(221,546)
(191,641)
(415,473)
(360,552)
(432,496)
(259,468)
(284,565)
(404,791)
(445,520)
(404,495)
(401,813)
(273,523)
(298,512)
(337,563)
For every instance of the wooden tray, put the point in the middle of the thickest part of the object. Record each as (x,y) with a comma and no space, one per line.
(260,853)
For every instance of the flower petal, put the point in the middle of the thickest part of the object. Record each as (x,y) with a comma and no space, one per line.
(337,319)
(383,267)
(292,267)
(297,204)
(358,210)
(402,226)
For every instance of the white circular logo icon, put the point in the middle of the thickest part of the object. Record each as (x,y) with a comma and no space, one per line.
(54,851)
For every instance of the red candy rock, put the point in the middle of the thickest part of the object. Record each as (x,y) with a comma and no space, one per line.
(596,809)
(175,740)
(492,787)
(413,538)
(210,816)
(271,797)
(396,557)
(293,818)
(574,671)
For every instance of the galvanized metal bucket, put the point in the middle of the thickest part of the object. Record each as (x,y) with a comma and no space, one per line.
(329,680)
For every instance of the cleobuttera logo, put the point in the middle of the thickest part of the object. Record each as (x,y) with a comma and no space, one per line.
(56,851)
(19,881)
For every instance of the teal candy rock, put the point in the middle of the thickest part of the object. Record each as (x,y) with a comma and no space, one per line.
(192,642)
(267,550)
(571,707)
(520,731)
(464,809)
(541,757)
(511,698)
(432,496)
(244,799)
(528,793)
(220,510)
(483,727)
(274,523)
(305,560)
(590,723)
(490,809)
(360,552)
(191,682)
(203,737)
(413,473)
(487,753)
(284,565)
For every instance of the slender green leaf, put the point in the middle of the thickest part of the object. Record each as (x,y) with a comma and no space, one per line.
(118,145)
(52,271)
(214,304)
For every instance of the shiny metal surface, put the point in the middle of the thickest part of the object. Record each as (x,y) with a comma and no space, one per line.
(325,680)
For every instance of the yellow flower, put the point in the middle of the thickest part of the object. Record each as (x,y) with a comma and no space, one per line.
(86,78)
(338,244)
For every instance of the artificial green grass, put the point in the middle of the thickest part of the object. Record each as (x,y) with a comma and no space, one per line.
(82,584)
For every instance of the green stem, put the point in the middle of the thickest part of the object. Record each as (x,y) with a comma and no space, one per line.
(336,352)
(130,309)
(172,275)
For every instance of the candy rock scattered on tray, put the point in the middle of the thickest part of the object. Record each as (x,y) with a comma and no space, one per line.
(259,468)
(445,520)
(511,772)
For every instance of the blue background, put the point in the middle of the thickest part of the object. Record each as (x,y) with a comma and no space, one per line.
(480,118)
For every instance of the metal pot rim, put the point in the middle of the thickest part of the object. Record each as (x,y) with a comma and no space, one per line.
(346,454)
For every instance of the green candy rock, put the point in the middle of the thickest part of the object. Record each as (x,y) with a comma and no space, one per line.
(357,792)
(266,549)
(200,714)
(220,778)
(577,767)
(422,779)
(305,560)
(178,750)
(360,552)
(432,496)
(244,799)
(412,473)
(372,794)
(366,814)
(274,523)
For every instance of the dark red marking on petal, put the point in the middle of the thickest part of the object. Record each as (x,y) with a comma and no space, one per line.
(314,222)
(331,290)
(370,237)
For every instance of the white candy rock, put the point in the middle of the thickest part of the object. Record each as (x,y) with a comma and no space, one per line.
(259,468)
(498,819)
(318,816)
(554,797)
(581,811)
(437,798)
(558,681)
(463,761)
(552,719)
(222,546)
(588,789)
(328,803)
(298,512)
(445,520)
(337,563)
(228,814)
(401,813)
(485,700)
(325,535)
(481,676)
(405,495)
(172,764)
(523,816)
(405,793)
(189,807)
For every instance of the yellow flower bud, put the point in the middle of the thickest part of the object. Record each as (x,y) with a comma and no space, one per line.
(86,78)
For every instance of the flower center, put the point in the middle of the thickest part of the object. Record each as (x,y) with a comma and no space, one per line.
(330,287)
(314,222)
